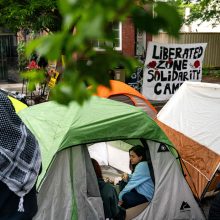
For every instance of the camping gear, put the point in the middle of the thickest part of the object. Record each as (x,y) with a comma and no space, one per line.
(122,92)
(68,187)
(191,121)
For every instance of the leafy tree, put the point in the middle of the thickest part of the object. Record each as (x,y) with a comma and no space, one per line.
(22,59)
(204,10)
(86,21)
(34,15)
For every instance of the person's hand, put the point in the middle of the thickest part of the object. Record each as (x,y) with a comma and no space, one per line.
(120,203)
(124,177)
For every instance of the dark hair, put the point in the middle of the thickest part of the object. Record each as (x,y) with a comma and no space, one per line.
(97,168)
(33,57)
(140,151)
(42,62)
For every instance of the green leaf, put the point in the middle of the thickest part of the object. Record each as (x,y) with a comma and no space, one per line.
(170,16)
(92,27)
(48,46)
(165,18)
(144,21)
(32,45)
(34,77)
(91,21)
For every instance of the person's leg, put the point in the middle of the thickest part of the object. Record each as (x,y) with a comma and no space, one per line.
(133,198)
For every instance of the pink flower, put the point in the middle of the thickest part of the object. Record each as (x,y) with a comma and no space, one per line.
(32,65)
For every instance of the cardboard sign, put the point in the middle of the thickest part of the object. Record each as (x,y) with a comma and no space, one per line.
(167,66)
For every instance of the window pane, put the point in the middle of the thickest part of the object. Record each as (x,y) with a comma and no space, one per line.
(115,28)
(116,42)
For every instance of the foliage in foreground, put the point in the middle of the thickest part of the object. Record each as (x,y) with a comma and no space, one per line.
(84,22)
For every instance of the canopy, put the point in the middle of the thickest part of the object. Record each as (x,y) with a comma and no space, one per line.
(120,91)
(97,120)
(69,188)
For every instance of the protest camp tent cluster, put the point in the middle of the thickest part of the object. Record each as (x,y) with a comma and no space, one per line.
(68,187)
(191,121)
(122,92)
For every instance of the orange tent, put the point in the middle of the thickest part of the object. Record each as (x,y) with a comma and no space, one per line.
(124,93)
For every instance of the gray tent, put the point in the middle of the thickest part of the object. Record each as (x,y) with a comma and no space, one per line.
(68,187)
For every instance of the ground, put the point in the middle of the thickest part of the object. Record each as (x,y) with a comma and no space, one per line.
(211,79)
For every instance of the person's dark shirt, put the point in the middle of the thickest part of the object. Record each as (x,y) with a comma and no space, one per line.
(110,201)
(9,201)
(214,211)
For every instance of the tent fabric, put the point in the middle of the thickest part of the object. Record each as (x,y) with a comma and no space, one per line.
(197,107)
(199,163)
(97,120)
(56,188)
(85,185)
(131,96)
(142,104)
(66,132)
(171,190)
(17,104)
(190,119)
(123,98)
(55,197)
(111,154)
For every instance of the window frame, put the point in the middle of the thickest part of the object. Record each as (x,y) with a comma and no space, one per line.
(118,48)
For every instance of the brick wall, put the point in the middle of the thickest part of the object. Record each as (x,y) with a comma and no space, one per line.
(128,38)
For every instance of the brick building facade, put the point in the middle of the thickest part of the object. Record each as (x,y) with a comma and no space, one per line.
(128,38)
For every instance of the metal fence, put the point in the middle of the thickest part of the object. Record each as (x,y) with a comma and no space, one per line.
(8,55)
(212,53)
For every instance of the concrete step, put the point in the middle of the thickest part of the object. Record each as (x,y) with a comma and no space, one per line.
(11,86)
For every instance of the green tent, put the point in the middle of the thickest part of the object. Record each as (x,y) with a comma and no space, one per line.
(67,185)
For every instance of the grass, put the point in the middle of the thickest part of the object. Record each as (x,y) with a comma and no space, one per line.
(211,72)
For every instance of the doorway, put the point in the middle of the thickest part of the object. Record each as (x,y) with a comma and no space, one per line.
(7,54)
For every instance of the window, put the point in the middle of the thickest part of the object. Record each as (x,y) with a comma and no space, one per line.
(117,42)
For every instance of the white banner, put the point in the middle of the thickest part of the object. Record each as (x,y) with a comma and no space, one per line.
(167,66)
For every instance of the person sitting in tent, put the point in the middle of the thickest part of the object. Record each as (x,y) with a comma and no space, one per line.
(20,162)
(140,187)
(109,196)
